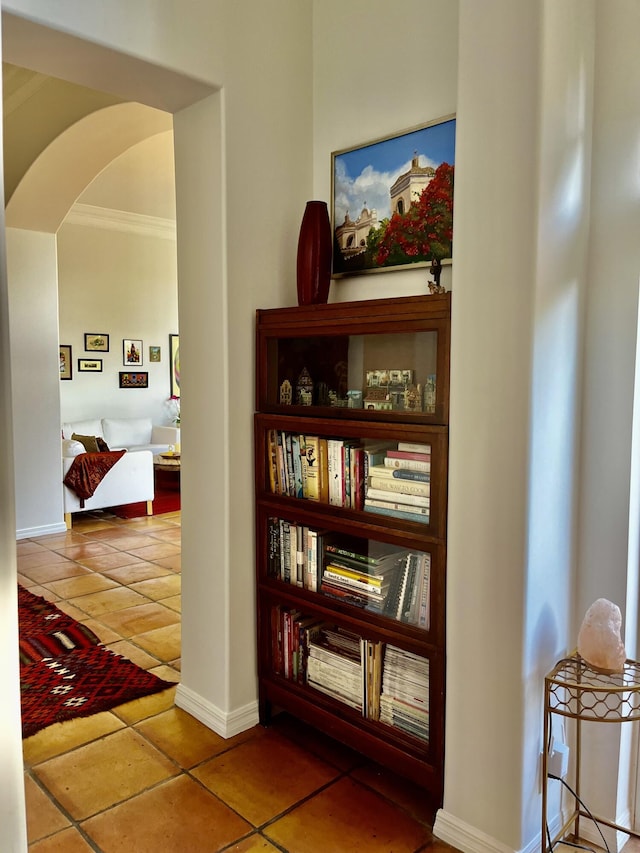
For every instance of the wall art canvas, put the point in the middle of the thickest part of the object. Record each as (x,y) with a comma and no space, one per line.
(132,352)
(96,342)
(66,369)
(90,365)
(174,365)
(392,201)
(134,380)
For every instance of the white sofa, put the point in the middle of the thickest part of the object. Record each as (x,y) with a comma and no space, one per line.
(126,433)
(131,478)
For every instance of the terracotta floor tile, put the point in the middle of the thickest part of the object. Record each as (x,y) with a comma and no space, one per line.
(315,741)
(174,563)
(108,561)
(108,601)
(137,620)
(45,593)
(246,779)
(24,581)
(72,611)
(63,737)
(134,572)
(43,817)
(156,552)
(166,673)
(103,773)
(133,653)
(185,817)
(163,643)
(255,843)
(345,817)
(83,552)
(184,739)
(27,546)
(73,587)
(40,558)
(175,603)
(55,571)
(68,841)
(104,634)
(418,803)
(173,536)
(148,706)
(159,588)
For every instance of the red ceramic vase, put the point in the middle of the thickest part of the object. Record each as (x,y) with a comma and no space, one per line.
(314,255)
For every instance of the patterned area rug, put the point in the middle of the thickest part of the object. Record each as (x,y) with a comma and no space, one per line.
(66,673)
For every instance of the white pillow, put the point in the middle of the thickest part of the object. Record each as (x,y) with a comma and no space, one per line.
(71,447)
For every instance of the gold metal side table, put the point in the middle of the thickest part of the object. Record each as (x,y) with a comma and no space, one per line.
(576,690)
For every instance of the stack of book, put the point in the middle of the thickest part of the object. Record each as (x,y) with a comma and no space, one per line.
(412,604)
(335,666)
(404,701)
(371,581)
(295,553)
(400,486)
(291,635)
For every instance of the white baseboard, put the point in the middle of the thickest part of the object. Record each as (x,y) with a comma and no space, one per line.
(45,530)
(224,724)
(465,837)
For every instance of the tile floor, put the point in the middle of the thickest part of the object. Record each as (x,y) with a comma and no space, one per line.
(149,778)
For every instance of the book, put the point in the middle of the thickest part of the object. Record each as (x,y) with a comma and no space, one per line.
(409,447)
(272,460)
(408,464)
(323,471)
(407,454)
(335,454)
(374,454)
(291,483)
(399,487)
(310,461)
(373,503)
(297,466)
(399,474)
(405,516)
(398,497)
(300,554)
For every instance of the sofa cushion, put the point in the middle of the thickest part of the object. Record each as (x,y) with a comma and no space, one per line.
(72,448)
(126,432)
(91,427)
(89,442)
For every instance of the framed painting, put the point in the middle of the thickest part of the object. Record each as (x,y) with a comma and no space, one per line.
(154,354)
(392,201)
(174,365)
(96,342)
(66,369)
(134,380)
(132,352)
(90,365)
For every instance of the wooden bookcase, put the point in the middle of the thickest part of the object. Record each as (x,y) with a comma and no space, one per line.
(356,646)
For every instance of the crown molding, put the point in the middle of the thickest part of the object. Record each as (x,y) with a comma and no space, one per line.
(121,220)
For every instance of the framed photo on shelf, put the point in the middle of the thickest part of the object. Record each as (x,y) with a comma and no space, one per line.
(132,352)
(96,342)
(174,365)
(90,365)
(134,380)
(66,369)
(154,354)
(404,217)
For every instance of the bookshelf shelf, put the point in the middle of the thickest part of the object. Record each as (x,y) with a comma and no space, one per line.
(351,461)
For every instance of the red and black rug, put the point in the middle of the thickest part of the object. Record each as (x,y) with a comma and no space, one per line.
(66,673)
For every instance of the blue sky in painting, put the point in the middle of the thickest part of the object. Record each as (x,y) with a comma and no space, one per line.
(363,177)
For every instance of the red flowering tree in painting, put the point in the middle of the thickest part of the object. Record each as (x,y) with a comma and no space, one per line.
(425,231)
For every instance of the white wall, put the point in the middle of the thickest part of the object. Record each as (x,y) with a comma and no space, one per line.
(125,285)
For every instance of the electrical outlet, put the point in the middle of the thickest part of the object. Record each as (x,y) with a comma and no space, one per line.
(558,760)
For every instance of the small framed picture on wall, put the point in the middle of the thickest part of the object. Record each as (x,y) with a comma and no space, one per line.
(66,370)
(134,380)
(132,352)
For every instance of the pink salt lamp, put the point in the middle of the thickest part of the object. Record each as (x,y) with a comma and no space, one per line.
(599,641)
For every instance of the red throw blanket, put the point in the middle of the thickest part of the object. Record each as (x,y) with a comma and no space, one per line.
(87,470)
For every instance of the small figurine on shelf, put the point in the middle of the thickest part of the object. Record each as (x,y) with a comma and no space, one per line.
(286,393)
(304,384)
(430,395)
(413,398)
(436,271)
